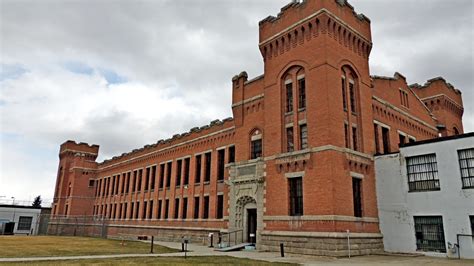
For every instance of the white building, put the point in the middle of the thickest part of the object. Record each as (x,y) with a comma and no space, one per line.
(425,197)
(25,220)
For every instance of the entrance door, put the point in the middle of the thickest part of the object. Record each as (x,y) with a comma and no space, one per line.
(251,225)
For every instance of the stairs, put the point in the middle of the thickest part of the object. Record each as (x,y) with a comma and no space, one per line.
(234,247)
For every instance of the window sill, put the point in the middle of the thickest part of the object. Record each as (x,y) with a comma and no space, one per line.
(207,182)
(424,190)
(467,187)
(220,181)
(288,113)
(302,109)
(354,113)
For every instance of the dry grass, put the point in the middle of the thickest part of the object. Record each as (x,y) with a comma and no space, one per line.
(46,246)
(214,260)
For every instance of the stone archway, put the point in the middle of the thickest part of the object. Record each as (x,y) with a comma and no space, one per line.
(246,217)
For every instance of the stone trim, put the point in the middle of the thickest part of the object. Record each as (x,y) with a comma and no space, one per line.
(256,97)
(357,175)
(321,218)
(295,174)
(321,234)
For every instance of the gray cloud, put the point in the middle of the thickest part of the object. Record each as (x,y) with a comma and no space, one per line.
(177,58)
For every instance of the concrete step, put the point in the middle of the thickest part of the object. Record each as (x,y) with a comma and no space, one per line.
(234,247)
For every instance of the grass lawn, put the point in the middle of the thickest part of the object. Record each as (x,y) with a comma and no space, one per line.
(214,260)
(46,246)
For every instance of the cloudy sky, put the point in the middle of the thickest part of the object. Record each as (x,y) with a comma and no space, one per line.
(123,74)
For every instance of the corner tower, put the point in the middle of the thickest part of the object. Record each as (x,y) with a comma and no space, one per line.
(75,183)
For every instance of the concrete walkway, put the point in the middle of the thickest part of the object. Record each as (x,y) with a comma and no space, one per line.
(198,250)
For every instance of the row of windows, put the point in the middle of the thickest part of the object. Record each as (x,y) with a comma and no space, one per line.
(295,186)
(121,211)
(132,181)
(422,171)
(385,147)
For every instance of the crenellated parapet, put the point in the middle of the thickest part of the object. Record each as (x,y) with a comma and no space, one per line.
(82,149)
(298,23)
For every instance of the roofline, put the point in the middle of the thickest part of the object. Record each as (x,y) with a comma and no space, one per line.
(421,142)
(22,207)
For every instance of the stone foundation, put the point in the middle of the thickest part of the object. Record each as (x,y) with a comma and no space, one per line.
(321,244)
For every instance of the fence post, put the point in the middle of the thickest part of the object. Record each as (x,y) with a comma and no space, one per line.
(152,239)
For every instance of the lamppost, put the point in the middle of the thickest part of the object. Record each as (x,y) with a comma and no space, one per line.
(14,209)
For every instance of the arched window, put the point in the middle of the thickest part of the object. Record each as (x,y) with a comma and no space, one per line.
(256,144)
(349,87)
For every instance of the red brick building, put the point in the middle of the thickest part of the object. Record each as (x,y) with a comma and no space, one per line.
(295,163)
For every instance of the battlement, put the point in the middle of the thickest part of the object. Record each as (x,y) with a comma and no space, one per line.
(429,82)
(396,76)
(298,12)
(193,133)
(82,147)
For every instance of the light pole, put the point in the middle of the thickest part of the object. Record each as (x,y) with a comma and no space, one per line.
(14,209)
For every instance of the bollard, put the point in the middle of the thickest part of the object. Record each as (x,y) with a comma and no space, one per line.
(212,240)
(152,238)
(282,250)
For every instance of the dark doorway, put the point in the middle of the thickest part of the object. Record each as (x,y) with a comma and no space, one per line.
(251,225)
(9,228)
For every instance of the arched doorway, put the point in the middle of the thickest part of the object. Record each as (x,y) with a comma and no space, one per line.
(246,218)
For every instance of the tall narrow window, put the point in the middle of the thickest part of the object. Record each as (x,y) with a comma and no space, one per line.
(402,139)
(187,161)
(132,210)
(357,196)
(167,207)
(207,170)
(422,173)
(471,218)
(352,97)
(386,140)
(184,213)
(139,186)
(113,185)
(137,209)
(344,97)
(346,135)
(198,169)
(179,165)
(205,214)
(220,164)
(147,178)
(289,97)
(127,187)
(256,149)
(122,188)
(145,203)
(168,174)
(160,207)
(303,136)
(466,164)
(125,209)
(296,196)
(176,208)
(231,154)
(301,93)
(196,207)
(134,181)
(290,145)
(429,233)
(153,177)
(355,137)
(150,209)
(220,207)
(162,176)
(376,137)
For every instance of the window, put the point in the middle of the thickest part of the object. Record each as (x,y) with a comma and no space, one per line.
(303,136)
(472,224)
(289,97)
(466,164)
(231,154)
(386,140)
(422,173)
(296,196)
(176,208)
(187,162)
(153,177)
(113,185)
(91,182)
(205,214)
(344,97)
(144,210)
(376,134)
(411,139)
(196,207)
(352,97)
(140,175)
(160,204)
(137,209)
(147,178)
(404,98)
(168,174)
(125,206)
(402,139)
(134,181)
(132,210)
(167,206)
(220,164)
(184,213)
(354,139)
(207,172)
(301,93)
(127,188)
(179,165)
(150,210)
(290,145)
(220,207)
(124,178)
(256,149)
(162,176)
(346,135)
(357,196)
(198,169)
(429,233)
(24,223)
